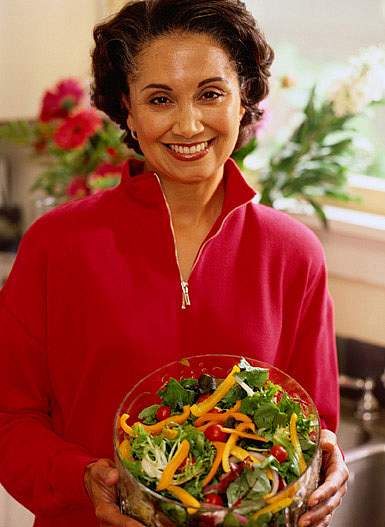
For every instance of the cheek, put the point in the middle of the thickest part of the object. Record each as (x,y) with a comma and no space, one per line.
(152,125)
(227,120)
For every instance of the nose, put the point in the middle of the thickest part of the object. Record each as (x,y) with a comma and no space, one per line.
(188,121)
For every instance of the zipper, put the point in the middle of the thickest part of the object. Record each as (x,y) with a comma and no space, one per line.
(186,302)
(185,295)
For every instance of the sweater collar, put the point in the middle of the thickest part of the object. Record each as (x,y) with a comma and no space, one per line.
(144,186)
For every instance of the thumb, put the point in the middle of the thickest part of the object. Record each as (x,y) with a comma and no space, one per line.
(328,440)
(106,473)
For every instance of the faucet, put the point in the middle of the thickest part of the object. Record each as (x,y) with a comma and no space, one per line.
(368,406)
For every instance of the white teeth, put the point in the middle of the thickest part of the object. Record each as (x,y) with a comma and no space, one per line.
(189,149)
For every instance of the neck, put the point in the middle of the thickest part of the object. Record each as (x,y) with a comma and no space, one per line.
(192,205)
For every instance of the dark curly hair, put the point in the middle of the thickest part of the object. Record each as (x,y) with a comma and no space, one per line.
(119,40)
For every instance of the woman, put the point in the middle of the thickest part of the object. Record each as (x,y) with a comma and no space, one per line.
(177,260)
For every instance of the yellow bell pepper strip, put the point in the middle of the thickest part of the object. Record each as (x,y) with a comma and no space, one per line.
(170,433)
(221,418)
(242,454)
(125,426)
(219,446)
(205,406)
(273,508)
(125,450)
(287,493)
(215,415)
(184,362)
(235,408)
(240,427)
(172,466)
(295,442)
(185,497)
(243,434)
(158,427)
(230,444)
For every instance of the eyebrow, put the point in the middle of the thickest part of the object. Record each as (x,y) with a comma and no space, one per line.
(167,88)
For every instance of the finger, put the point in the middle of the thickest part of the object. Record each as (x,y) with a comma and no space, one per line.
(109,515)
(337,474)
(328,439)
(100,483)
(105,472)
(319,513)
(325,522)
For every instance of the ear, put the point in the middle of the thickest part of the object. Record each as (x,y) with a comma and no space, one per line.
(126,104)
(242,112)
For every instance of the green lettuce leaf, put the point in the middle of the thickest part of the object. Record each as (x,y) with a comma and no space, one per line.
(147,415)
(176,396)
(251,485)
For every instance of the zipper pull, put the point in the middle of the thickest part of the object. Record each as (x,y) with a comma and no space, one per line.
(185,297)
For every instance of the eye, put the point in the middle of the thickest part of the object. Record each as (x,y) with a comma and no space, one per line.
(160,100)
(211,95)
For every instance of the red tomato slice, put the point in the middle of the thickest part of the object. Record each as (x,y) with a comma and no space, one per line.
(214,433)
(279,452)
(163,412)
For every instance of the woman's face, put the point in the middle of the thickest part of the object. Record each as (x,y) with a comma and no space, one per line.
(185,107)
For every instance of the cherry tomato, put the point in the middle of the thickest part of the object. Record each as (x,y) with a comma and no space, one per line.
(214,433)
(213,499)
(279,452)
(163,412)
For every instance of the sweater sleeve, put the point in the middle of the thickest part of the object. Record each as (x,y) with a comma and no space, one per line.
(40,469)
(314,363)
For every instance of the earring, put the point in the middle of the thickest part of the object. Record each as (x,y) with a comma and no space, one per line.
(134,135)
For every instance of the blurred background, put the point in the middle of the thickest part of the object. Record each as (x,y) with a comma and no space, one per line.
(46,41)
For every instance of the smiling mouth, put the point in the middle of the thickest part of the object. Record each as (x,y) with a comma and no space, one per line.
(194,148)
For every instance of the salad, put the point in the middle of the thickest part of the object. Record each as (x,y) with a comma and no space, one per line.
(231,446)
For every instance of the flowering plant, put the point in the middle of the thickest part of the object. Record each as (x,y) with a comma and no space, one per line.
(314,162)
(82,151)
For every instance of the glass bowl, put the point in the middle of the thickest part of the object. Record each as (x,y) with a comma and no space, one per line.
(153,509)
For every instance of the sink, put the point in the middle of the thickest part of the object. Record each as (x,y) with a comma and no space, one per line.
(351,434)
(364,504)
(363,443)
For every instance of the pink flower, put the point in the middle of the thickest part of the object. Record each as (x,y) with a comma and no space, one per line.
(105,176)
(77,188)
(111,151)
(108,169)
(76,129)
(57,104)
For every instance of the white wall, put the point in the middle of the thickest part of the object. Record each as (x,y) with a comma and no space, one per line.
(41,41)
(327,29)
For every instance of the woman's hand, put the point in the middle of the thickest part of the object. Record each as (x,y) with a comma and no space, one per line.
(100,479)
(326,498)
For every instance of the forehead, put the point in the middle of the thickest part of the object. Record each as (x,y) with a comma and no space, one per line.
(183,58)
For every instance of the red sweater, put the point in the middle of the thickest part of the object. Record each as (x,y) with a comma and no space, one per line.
(93,303)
